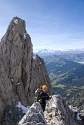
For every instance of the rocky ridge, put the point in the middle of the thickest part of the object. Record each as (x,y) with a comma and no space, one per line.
(34,116)
(21,72)
(57,112)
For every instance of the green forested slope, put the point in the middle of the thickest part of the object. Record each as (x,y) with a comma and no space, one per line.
(67,78)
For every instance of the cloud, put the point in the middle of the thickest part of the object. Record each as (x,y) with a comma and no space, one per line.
(51,37)
(56,41)
(11,12)
(47,41)
(2,31)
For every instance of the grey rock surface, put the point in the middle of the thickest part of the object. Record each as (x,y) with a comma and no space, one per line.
(21,73)
(12,116)
(58,113)
(34,116)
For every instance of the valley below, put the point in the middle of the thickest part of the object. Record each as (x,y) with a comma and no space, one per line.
(67,77)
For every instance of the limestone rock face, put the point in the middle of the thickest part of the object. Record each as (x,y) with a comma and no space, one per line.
(34,116)
(21,73)
(12,115)
(58,113)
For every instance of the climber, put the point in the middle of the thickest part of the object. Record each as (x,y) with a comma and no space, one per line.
(42,97)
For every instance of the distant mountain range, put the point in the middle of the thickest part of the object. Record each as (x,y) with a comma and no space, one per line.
(76,55)
(45,52)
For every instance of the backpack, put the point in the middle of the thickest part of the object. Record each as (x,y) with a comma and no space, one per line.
(37,93)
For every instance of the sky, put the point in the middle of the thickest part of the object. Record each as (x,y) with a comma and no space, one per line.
(51,24)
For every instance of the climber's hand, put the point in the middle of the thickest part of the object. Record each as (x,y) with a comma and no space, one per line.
(50,97)
(40,100)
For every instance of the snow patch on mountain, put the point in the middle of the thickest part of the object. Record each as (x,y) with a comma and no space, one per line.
(44,52)
(24,109)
